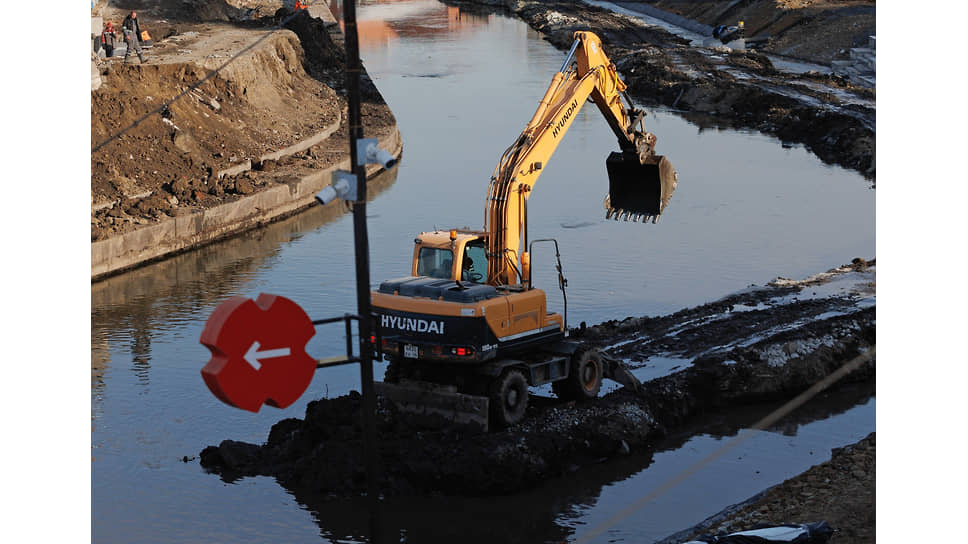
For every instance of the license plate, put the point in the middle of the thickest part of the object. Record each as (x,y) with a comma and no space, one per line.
(410,351)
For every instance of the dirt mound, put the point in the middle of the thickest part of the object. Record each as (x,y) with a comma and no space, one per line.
(259,104)
(184,10)
(153,162)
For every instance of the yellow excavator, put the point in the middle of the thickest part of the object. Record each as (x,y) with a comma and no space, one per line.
(466,333)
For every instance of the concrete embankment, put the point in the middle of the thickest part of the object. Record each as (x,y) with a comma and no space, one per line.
(202,227)
(195,226)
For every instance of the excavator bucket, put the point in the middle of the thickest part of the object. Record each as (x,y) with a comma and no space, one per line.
(636,191)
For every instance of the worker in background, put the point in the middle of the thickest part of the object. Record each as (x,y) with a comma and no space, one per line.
(301,5)
(108,37)
(132,36)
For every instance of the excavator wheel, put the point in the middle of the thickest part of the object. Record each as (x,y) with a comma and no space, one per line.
(508,398)
(584,377)
(392,372)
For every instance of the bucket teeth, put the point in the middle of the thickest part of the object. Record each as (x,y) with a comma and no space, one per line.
(619,214)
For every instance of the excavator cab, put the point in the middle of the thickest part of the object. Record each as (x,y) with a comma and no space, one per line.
(458,254)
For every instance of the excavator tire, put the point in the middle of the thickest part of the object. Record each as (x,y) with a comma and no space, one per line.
(508,398)
(392,372)
(584,377)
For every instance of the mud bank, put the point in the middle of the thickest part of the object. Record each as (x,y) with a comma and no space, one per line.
(719,87)
(840,491)
(251,145)
(763,344)
(813,30)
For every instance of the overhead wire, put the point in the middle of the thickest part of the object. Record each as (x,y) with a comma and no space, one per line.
(163,107)
(760,425)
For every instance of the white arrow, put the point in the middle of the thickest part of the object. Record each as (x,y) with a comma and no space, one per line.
(253,355)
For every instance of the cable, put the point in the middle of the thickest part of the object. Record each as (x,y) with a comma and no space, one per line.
(743,437)
(195,85)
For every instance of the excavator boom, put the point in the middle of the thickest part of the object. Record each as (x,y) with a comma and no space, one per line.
(640,182)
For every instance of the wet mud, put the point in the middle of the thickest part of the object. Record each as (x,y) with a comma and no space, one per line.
(832,117)
(840,491)
(764,344)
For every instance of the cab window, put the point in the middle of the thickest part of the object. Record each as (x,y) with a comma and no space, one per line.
(433,262)
(474,264)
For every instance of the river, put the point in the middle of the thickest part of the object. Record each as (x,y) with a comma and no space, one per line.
(462,86)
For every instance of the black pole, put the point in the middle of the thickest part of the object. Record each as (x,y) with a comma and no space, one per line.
(353,67)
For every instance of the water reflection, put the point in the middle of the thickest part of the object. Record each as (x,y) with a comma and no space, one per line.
(553,512)
(134,308)
(383,22)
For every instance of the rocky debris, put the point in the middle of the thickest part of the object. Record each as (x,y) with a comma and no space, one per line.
(834,118)
(840,491)
(859,64)
(734,364)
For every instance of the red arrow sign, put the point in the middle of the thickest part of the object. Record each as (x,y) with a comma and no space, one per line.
(258,352)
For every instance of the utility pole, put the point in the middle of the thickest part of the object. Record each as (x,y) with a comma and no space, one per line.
(353,68)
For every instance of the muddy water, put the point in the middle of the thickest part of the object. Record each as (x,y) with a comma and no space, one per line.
(462,87)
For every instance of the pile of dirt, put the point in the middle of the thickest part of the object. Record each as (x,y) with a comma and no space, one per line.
(719,87)
(183,10)
(152,162)
(763,344)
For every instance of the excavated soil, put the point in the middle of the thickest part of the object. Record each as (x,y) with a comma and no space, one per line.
(720,87)
(150,165)
(763,344)
(814,30)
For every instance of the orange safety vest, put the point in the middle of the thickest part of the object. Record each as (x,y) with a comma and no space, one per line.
(300,5)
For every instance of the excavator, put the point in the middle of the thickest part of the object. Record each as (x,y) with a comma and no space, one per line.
(466,333)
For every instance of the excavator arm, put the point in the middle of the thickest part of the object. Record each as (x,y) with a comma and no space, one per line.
(640,182)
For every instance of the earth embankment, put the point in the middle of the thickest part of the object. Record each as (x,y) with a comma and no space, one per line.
(813,30)
(229,124)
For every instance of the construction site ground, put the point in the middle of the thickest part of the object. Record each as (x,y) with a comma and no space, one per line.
(151,165)
(762,345)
